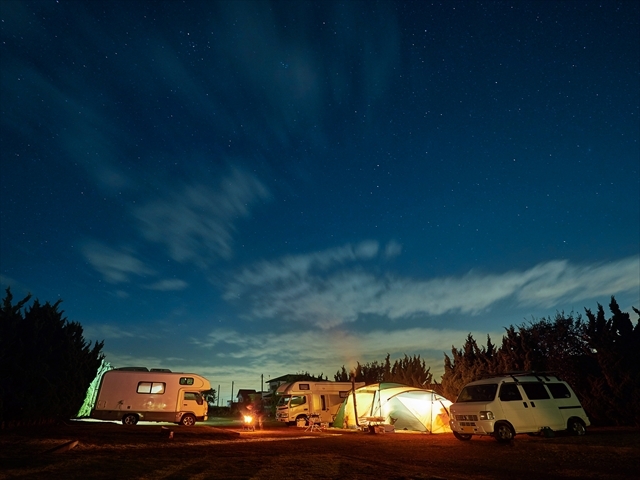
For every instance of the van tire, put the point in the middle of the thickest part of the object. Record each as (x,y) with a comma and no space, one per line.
(130,419)
(301,421)
(575,426)
(462,436)
(503,432)
(188,420)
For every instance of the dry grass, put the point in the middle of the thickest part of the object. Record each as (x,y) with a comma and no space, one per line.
(109,450)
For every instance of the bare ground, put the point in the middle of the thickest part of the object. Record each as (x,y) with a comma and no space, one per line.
(108,450)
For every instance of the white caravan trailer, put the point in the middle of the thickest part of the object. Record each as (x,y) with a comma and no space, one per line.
(299,400)
(132,394)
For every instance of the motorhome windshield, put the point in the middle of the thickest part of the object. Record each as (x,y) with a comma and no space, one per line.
(292,400)
(478,393)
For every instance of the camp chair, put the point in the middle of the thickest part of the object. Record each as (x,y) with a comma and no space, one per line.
(315,423)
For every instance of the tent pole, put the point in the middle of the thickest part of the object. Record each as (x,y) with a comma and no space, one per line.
(353,391)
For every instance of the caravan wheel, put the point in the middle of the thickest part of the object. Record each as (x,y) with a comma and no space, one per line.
(130,419)
(301,421)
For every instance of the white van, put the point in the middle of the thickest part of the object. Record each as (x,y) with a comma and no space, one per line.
(299,400)
(510,404)
(131,394)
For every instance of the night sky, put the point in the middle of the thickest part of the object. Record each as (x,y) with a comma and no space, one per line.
(247,188)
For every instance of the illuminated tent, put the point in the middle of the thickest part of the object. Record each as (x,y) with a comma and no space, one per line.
(404,407)
(92,392)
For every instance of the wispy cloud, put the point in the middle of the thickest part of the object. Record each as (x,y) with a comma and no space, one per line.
(327,350)
(106,332)
(117,266)
(196,222)
(173,284)
(290,289)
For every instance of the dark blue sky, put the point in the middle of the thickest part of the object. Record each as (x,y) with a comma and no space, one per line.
(241,188)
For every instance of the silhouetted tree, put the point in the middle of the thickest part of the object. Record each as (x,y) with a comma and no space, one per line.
(469,363)
(410,371)
(46,366)
(614,345)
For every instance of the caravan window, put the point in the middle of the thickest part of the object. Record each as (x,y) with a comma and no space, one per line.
(186,380)
(151,387)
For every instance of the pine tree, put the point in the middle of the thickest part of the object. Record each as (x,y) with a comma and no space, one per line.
(46,366)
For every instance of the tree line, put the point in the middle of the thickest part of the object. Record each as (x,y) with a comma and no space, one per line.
(46,366)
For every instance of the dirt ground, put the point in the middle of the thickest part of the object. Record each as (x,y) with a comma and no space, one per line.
(224,451)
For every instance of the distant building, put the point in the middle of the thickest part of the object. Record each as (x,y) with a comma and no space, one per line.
(244,396)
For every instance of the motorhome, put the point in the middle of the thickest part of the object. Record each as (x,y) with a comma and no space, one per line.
(133,394)
(503,406)
(298,401)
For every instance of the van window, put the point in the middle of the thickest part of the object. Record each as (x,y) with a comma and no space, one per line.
(559,390)
(151,387)
(478,393)
(186,380)
(509,392)
(535,391)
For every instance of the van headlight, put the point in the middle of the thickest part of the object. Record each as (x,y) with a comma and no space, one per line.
(486,415)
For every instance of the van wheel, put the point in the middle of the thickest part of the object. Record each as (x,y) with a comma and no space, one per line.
(301,421)
(462,436)
(503,433)
(188,420)
(130,419)
(576,427)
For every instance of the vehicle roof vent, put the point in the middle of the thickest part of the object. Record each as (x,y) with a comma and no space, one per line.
(164,370)
(133,369)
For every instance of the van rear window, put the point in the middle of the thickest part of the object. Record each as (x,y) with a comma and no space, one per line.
(478,393)
(559,390)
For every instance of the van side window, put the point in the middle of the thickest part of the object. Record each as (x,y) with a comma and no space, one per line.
(535,391)
(559,390)
(186,380)
(509,392)
(150,387)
